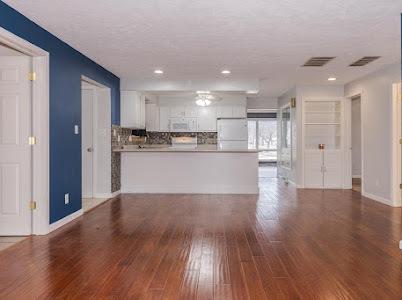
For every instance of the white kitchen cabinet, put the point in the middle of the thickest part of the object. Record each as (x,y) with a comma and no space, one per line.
(164,118)
(177,111)
(151,117)
(239,112)
(224,112)
(190,112)
(132,110)
(206,119)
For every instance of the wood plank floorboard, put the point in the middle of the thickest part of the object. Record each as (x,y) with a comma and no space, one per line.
(281,244)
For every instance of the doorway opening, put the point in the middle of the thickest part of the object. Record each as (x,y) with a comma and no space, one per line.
(95,143)
(262,136)
(356,139)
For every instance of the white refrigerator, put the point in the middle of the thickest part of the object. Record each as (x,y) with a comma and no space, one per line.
(232,134)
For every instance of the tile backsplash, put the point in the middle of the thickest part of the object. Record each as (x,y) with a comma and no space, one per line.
(165,137)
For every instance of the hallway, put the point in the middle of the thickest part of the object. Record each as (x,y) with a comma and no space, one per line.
(283,244)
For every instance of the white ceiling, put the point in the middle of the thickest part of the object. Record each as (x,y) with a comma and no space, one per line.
(196,39)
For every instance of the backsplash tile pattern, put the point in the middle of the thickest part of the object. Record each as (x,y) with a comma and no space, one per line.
(165,137)
(124,134)
(152,138)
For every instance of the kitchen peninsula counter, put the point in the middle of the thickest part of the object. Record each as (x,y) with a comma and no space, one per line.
(168,148)
(202,170)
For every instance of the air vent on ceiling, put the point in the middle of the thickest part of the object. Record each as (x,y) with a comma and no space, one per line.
(318,61)
(364,61)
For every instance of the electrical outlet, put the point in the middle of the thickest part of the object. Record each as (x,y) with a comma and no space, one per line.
(76,129)
(66,198)
(400,245)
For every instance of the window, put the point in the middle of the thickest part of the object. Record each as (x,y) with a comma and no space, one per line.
(262,136)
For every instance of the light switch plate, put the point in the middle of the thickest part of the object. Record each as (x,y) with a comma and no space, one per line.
(66,198)
(76,129)
(400,245)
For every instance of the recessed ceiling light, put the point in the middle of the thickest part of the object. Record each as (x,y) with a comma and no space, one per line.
(252,92)
(203,92)
(158,71)
(331,78)
(226,72)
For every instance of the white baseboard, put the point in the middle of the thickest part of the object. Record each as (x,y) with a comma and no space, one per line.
(107,195)
(377,198)
(65,220)
(245,189)
(356,176)
(116,193)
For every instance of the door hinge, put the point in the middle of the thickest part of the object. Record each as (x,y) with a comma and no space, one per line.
(32,76)
(400,141)
(32,140)
(400,186)
(32,205)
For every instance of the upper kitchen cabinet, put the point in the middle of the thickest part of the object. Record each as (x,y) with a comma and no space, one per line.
(164,118)
(132,109)
(224,112)
(239,112)
(177,111)
(191,112)
(151,117)
(206,119)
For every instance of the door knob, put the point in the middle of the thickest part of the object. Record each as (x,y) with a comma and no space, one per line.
(89,149)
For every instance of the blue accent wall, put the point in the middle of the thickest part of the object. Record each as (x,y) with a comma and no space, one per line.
(66,67)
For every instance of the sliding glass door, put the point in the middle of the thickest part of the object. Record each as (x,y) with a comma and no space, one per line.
(262,135)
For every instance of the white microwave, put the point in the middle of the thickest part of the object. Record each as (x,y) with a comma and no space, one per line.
(183,124)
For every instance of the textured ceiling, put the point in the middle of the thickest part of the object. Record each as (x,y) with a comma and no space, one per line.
(192,39)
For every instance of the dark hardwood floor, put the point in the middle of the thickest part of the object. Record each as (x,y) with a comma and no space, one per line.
(283,244)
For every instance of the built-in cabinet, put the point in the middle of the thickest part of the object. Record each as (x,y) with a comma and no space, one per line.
(323,142)
(132,109)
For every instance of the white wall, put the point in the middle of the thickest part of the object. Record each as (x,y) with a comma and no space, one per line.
(376,106)
(356,138)
(262,103)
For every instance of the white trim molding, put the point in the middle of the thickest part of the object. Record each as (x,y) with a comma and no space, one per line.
(396,149)
(377,198)
(65,220)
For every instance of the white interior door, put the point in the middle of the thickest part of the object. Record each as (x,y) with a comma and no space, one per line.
(15,152)
(87,142)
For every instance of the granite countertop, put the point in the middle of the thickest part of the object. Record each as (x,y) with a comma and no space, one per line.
(168,148)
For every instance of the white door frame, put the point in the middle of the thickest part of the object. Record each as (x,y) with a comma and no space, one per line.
(396,168)
(348,136)
(40,127)
(99,172)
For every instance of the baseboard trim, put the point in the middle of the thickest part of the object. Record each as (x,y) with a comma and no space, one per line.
(107,195)
(377,198)
(65,220)
(356,176)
